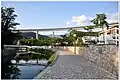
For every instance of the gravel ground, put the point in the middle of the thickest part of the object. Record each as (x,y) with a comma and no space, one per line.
(70,66)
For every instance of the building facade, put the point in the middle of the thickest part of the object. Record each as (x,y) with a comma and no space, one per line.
(111,34)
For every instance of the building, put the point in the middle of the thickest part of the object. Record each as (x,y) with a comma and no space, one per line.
(110,34)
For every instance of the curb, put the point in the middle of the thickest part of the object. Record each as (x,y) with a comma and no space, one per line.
(46,69)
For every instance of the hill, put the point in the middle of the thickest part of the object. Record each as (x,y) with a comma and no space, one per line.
(32,35)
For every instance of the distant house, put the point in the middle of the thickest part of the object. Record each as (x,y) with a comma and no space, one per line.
(89,39)
(111,34)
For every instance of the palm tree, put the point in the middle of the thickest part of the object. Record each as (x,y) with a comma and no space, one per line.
(100,21)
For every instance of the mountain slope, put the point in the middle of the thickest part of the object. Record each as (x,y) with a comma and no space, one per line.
(32,34)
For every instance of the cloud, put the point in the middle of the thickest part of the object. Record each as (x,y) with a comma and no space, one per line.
(81,20)
(84,20)
(68,22)
(111,18)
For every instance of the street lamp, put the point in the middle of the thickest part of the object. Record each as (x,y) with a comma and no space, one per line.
(74,35)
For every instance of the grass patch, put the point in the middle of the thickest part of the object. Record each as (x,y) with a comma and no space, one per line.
(52,58)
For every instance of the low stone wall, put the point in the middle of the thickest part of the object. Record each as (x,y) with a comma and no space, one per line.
(79,50)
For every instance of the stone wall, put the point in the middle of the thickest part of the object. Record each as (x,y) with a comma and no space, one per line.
(105,56)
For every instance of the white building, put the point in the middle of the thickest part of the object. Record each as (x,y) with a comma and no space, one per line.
(107,36)
(110,35)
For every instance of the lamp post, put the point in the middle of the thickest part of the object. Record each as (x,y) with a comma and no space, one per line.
(104,34)
(74,35)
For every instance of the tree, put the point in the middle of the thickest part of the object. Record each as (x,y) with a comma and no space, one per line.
(89,28)
(100,21)
(71,38)
(79,34)
(7,24)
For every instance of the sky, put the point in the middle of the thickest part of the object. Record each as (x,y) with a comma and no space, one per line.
(39,15)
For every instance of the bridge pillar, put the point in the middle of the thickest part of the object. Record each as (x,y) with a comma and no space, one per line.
(37,35)
(53,34)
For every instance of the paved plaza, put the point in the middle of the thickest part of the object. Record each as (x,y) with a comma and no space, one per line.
(70,66)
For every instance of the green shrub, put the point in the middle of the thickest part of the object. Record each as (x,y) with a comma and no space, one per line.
(52,58)
(44,53)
